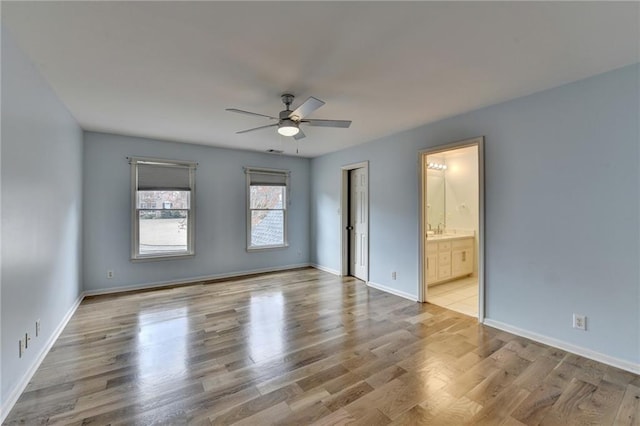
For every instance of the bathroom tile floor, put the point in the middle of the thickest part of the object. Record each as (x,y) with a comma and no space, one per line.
(459,295)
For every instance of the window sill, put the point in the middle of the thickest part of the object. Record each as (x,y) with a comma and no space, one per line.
(263,248)
(162,257)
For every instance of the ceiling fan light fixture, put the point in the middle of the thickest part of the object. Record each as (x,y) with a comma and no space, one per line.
(288,128)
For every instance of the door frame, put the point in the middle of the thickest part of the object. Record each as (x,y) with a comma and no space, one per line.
(479,142)
(344,217)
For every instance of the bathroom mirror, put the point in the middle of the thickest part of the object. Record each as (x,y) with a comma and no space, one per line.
(435,199)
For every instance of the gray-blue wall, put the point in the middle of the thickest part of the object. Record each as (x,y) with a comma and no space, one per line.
(562,209)
(220,207)
(41,213)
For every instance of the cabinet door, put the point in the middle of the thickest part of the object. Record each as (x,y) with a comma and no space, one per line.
(469,261)
(432,268)
(461,262)
(444,265)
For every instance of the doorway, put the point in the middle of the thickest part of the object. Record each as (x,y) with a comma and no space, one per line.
(355,221)
(452,227)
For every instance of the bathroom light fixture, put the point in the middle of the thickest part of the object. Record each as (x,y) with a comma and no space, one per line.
(288,127)
(436,166)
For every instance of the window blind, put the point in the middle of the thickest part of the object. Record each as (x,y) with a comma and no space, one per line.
(262,177)
(163,177)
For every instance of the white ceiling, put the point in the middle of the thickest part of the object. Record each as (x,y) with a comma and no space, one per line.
(168,70)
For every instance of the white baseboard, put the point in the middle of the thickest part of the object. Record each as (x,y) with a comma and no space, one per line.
(386,289)
(325,269)
(15,393)
(160,284)
(578,350)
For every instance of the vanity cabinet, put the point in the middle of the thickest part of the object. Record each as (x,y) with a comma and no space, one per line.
(444,260)
(449,258)
(432,262)
(462,257)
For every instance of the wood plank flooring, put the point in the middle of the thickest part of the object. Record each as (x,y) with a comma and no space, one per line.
(305,347)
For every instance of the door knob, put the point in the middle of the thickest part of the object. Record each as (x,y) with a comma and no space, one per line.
(349,228)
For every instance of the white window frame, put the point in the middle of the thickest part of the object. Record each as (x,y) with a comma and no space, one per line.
(249,171)
(135,215)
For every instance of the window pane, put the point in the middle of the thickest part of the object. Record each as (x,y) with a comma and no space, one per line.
(267,228)
(164,199)
(163,231)
(267,197)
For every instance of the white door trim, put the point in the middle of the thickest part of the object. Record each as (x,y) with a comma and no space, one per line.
(479,142)
(344,216)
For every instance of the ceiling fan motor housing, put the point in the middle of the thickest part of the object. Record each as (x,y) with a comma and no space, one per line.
(284,115)
(286,120)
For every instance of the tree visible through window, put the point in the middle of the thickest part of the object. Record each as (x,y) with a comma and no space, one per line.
(267,213)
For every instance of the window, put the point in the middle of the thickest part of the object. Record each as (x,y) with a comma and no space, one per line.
(163,215)
(267,199)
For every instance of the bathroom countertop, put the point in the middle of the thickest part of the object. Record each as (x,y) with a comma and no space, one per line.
(447,237)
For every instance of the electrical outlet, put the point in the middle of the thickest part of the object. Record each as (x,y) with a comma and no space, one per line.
(109,274)
(19,348)
(37,327)
(580,322)
(393,276)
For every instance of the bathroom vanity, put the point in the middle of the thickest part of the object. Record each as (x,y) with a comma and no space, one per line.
(449,257)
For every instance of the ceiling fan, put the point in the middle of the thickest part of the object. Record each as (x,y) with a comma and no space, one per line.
(289,121)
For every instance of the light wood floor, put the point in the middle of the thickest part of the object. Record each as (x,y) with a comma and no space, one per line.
(304,347)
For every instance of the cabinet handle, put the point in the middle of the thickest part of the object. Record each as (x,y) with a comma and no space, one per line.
(464,256)
(427,263)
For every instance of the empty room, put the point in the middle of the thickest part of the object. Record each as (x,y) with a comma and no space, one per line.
(323,213)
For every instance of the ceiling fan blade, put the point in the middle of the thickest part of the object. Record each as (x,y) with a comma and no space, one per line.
(240,111)
(256,128)
(299,135)
(306,108)
(329,123)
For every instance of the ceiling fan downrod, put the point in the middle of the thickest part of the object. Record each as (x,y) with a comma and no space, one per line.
(287,99)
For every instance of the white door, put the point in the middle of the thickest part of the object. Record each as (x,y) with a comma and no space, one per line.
(358,223)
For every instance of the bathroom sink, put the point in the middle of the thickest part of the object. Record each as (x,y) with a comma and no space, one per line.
(437,236)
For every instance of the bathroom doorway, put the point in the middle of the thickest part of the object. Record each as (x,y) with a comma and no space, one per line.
(451,224)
